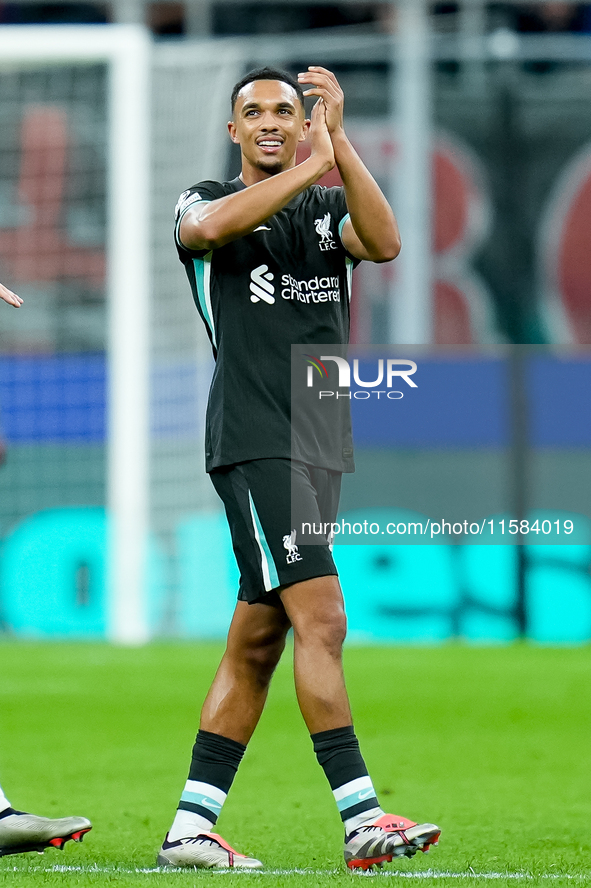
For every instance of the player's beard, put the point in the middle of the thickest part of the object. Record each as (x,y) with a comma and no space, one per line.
(271,166)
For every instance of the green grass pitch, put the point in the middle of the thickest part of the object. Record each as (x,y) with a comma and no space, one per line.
(493,744)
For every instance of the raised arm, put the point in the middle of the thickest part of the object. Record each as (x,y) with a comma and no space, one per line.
(372,231)
(10,297)
(211,225)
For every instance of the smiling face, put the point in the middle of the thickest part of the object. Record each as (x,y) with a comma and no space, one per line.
(268,123)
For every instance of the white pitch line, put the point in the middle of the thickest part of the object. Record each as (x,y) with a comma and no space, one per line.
(423,874)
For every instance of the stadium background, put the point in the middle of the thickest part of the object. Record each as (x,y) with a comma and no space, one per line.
(499,118)
(103,379)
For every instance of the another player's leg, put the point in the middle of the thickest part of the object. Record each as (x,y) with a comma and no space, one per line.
(315,609)
(20,832)
(230,714)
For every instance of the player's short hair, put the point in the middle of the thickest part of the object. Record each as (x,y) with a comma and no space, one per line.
(267,73)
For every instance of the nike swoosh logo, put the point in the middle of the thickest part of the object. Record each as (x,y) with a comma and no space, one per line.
(263,228)
(209,803)
(365,795)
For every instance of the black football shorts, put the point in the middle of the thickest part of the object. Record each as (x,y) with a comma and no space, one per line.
(257,496)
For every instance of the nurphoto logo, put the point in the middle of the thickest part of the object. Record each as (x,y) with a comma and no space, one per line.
(387,370)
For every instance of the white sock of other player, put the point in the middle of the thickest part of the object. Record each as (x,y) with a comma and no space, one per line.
(4,803)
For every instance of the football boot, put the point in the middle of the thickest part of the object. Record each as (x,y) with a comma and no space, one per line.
(387,837)
(20,832)
(204,851)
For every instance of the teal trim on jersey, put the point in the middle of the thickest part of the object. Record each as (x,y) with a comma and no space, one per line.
(349,267)
(177,230)
(342,224)
(362,795)
(270,575)
(202,280)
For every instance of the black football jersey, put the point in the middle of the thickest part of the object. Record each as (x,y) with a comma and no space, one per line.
(288,282)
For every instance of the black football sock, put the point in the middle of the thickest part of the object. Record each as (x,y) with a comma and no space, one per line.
(338,753)
(214,764)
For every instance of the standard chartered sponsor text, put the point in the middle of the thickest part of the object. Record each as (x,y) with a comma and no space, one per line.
(323,289)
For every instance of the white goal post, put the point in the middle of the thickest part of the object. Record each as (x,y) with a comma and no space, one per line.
(126,50)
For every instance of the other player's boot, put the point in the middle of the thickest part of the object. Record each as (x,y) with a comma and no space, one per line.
(389,836)
(204,851)
(20,832)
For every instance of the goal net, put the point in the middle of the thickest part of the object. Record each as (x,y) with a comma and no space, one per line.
(73,359)
(105,369)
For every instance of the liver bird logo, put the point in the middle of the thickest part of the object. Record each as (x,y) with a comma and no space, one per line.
(322,227)
(289,543)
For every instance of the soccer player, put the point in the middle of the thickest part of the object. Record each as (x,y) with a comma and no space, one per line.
(268,256)
(20,831)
